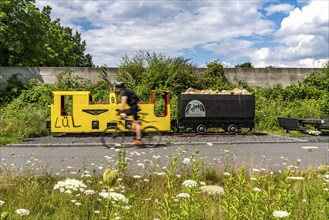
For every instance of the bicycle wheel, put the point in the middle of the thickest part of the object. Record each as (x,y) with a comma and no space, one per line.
(112,138)
(151,136)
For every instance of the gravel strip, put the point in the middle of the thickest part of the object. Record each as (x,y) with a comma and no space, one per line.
(166,139)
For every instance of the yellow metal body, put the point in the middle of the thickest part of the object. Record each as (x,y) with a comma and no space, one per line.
(73,112)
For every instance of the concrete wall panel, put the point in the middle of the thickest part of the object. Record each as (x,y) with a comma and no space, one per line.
(263,77)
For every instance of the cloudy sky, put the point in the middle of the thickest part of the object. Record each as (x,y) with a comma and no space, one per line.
(278,33)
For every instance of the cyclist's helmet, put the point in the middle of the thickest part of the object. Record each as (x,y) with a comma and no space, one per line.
(120,85)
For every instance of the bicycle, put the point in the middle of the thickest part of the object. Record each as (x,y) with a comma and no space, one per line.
(114,137)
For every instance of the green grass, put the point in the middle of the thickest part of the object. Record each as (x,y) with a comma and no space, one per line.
(7,140)
(172,192)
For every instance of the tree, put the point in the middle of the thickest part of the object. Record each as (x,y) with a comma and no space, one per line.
(214,77)
(245,65)
(28,37)
(145,72)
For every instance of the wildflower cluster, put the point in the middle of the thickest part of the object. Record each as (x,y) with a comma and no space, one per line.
(22,212)
(212,190)
(183,195)
(115,197)
(189,183)
(280,214)
(68,185)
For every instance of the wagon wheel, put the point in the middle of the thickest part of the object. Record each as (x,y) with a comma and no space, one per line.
(232,128)
(201,128)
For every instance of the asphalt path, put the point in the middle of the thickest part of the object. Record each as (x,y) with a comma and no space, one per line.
(74,159)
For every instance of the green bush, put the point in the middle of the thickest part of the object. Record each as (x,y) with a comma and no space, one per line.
(306,99)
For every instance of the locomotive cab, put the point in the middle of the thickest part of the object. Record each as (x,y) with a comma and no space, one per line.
(74,112)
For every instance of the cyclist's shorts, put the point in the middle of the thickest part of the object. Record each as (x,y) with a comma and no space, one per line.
(132,111)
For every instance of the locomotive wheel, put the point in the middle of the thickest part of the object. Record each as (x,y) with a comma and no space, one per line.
(112,138)
(151,136)
(232,128)
(201,129)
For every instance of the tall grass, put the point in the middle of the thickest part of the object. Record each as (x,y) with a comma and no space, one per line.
(186,188)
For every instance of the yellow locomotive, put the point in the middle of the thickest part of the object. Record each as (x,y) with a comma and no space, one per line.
(74,112)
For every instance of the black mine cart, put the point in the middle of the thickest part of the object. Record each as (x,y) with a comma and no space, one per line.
(230,112)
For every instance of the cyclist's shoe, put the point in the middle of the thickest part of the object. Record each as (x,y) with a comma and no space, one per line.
(136,142)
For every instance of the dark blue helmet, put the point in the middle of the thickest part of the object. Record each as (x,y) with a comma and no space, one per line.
(120,85)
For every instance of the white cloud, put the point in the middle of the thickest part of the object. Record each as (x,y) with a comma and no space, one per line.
(226,28)
(302,38)
(167,27)
(283,8)
(232,49)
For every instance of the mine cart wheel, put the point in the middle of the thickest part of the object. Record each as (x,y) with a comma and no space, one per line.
(201,129)
(232,128)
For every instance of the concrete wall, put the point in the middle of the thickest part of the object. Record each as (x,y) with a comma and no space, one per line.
(263,77)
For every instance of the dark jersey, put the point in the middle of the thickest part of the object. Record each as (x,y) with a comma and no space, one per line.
(132,98)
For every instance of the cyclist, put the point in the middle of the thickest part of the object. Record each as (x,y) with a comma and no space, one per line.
(130,98)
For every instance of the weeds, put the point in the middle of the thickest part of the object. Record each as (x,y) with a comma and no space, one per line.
(172,192)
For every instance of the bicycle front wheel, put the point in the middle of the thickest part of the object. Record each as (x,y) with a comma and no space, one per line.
(151,136)
(112,138)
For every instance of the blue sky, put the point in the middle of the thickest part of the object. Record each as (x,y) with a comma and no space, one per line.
(266,33)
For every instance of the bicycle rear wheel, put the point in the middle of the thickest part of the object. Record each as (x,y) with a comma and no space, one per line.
(151,136)
(112,138)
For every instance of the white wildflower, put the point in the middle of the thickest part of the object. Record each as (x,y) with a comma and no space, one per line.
(69,184)
(212,190)
(22,212)
(186,161)
(156,157)
(253,178)
(280,214)
(257,189)
(295,177)
(226,174)
(136,177)
(1,202)
(117,197)
(104,194)
(255,170)
(89,192)
(141,165)
(127,207)
(77,204)
(183,195)
(160,173)
(189,183)
(203,183)
(96,211)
